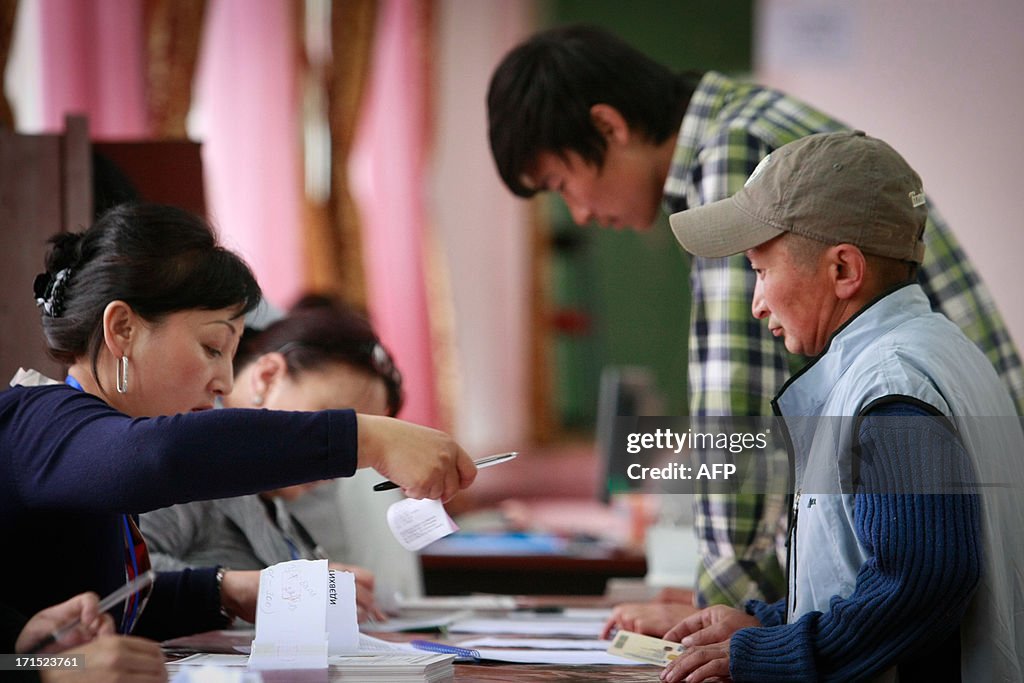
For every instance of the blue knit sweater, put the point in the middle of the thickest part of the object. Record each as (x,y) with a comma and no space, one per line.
(925,560)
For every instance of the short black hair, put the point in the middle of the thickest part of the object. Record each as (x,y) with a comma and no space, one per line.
(540,97)
(158,259)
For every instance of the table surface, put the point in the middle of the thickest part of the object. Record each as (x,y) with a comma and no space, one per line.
(486,672)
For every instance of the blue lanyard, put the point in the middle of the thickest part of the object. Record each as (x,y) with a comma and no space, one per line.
(129,539)
(129,621)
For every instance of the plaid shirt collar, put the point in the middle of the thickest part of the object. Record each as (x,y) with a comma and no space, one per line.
(713,93)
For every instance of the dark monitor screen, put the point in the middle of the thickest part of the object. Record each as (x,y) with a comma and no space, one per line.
(624,391)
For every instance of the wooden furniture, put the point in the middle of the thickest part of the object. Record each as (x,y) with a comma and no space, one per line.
(46,187)
(528,574)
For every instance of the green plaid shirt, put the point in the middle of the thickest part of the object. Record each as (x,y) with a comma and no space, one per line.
(736,366)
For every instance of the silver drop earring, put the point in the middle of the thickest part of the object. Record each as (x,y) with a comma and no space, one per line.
(122,375)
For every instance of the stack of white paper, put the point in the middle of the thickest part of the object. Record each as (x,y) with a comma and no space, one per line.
(380,667)
(392,667)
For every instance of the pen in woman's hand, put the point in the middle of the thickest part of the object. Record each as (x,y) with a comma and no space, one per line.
(486,461)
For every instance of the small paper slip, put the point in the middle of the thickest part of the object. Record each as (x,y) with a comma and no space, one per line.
(304,611)
(418,523)
(644,648)
(342,615)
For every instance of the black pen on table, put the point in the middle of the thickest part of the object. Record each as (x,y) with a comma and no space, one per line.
(486,461)
(141,582)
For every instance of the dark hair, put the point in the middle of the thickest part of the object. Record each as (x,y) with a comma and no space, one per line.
(319,331)
(540,97)
(157,259)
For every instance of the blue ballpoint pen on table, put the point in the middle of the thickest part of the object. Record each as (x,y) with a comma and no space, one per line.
(441,648)
(480,464)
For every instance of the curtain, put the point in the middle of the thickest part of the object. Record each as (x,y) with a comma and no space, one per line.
(8,11)
(388,173)
(247,101)
(92,64)
(333,244)
(484,232)
(172,33)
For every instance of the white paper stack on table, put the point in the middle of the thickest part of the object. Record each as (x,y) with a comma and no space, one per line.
(387,667)
(396,667)
(376,660)
(306,627)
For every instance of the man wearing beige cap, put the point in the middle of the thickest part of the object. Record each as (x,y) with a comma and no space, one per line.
(577,111)
(909,480)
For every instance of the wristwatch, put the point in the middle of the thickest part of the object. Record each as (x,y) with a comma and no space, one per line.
(220,583)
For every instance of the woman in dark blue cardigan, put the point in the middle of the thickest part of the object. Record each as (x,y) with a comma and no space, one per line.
(146,309)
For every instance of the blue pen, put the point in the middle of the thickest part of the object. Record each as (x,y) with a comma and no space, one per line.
(441,648)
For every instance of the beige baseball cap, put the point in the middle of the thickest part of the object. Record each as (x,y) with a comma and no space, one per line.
(836,188)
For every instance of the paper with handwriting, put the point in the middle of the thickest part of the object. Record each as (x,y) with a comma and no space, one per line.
(304,612)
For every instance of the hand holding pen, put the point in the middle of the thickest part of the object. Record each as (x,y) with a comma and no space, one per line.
(480,464)
(424,462)
(77,620)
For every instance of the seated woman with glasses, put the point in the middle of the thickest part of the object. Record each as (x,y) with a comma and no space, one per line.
(146,311)
(322,355)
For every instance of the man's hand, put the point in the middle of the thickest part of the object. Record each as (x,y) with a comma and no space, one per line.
(711,625)
(424,462)
(699,664)
(649,618)
(706,637)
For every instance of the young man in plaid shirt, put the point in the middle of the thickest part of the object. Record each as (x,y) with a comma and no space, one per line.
(577,111)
